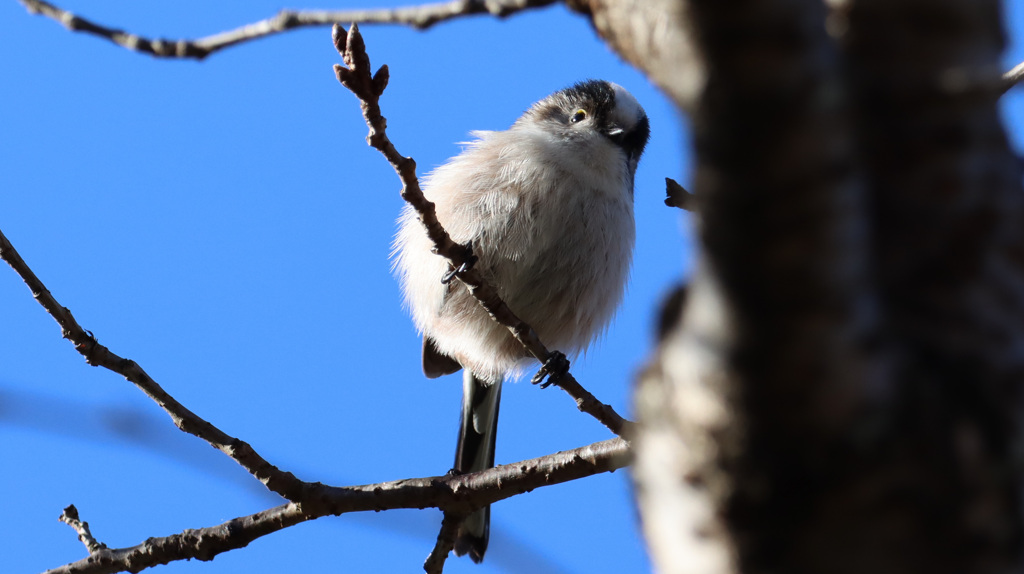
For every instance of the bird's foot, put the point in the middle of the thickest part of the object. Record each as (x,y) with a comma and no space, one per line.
(466,264)
(553,369)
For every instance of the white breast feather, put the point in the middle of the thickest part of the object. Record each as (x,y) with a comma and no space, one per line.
(530,253)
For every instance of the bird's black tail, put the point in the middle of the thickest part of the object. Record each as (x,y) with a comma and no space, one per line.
(478,430)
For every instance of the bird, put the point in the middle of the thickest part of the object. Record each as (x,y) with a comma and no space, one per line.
(546,207)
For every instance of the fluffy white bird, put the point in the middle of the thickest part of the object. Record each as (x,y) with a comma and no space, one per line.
(547,207)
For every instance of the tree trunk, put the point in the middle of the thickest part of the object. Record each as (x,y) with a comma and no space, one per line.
(841,390)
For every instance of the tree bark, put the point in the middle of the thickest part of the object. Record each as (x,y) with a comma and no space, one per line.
(841,392)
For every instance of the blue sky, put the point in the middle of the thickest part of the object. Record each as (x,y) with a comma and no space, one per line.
(224,224)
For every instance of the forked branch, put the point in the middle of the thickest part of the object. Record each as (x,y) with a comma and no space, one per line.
(419,17)
(457,494)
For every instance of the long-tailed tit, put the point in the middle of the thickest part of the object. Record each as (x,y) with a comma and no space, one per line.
(547,207)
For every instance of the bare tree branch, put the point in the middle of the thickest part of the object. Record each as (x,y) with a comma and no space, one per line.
(97,355)
(456,495)
(70,517)
(368,88)
(419,17)
(445,543)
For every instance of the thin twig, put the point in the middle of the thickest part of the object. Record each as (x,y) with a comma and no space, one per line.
(677,196)
(70,517)
(419,17)
(458,495)
(445,543)
(368,88)
(97,355)
(1013,77)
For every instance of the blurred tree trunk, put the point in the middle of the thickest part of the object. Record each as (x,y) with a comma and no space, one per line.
(841,392)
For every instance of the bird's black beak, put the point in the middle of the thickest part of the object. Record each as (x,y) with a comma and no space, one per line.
(633,141)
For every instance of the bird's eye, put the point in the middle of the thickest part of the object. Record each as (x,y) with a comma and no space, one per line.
(578,116)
